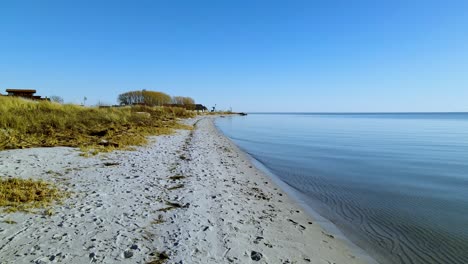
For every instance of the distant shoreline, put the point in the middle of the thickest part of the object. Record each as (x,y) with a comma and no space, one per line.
(351,113)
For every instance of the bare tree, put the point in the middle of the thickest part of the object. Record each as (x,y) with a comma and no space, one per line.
(151,98)
(154,98)
(56,99)
(182,100)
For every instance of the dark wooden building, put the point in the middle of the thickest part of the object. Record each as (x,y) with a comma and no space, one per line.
(25,93)
(200,107)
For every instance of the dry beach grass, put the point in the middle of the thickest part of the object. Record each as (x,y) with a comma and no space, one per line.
(25,124)
(27,194)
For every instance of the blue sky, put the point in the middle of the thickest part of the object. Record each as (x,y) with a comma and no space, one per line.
(317,56)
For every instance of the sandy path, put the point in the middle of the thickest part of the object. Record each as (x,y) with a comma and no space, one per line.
(126,208)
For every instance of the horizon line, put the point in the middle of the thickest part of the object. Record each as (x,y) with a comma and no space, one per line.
(415,112)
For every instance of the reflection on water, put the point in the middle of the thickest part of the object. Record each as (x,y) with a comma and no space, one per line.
(395,184)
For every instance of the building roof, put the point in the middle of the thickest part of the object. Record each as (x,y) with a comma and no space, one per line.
(20,91)
(200,107)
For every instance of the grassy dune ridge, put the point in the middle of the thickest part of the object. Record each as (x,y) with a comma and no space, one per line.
(25,124)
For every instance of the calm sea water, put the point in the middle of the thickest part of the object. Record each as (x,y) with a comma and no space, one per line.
(394,184)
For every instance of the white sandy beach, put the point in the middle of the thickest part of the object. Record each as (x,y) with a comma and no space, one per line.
(126,208)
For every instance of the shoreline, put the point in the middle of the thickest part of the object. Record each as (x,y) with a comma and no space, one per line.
(324,223)
(299,199)
(219,209)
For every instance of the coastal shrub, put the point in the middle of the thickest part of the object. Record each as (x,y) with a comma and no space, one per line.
(26,194)
(25,124)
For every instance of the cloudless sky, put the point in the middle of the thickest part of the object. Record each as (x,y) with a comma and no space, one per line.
(306,56)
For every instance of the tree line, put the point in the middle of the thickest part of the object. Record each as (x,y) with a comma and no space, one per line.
(153,98)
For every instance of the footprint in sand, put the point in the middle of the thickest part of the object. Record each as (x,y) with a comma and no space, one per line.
(297,224)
